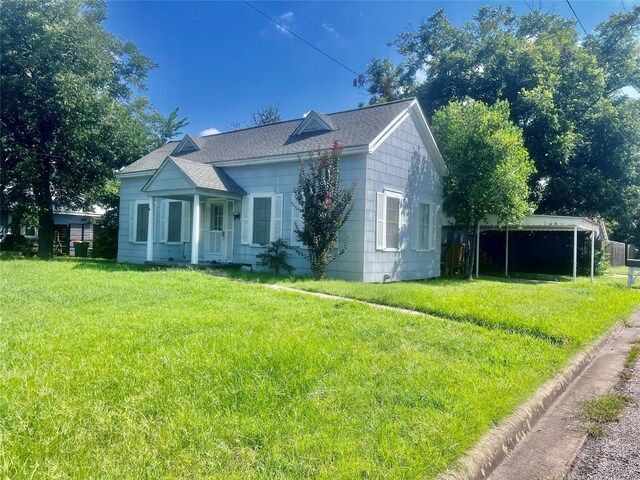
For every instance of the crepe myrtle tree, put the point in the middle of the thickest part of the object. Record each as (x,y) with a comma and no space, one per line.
(325,205)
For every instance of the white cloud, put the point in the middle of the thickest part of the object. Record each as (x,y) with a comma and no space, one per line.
(209,131)
(287,19)
(329,28)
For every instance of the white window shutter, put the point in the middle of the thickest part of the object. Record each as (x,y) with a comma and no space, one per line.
(380,214)
(163,215)
(247,222)
(276,217)
(296,219)
(433,225)
(133,211)
(186,222)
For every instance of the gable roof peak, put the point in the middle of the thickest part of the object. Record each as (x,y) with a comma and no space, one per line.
(188,144)
(314,122)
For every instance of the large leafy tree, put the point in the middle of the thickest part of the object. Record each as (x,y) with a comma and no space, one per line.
(325,205)
(563,91)
(69,116)
(489,167)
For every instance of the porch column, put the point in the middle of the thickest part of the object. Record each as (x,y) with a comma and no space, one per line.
(593,246)
(195,232)
(506,255)
(575,253)
(150,229)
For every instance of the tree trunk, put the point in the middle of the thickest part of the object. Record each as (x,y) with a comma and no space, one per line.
(42,190)
(45,233)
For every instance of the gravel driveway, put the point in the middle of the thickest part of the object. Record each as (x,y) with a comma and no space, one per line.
(617,455)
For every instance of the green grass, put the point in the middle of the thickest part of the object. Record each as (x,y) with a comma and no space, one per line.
(632,356)
(617,271)
(602,410)
(574,313)
(114,371)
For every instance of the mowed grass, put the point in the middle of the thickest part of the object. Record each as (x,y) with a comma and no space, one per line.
(110,371)
(571,313)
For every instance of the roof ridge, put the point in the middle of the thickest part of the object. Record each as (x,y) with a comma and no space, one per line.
(313,110)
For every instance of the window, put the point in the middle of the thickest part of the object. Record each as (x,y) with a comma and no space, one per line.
(424,225)
(173,221)
(388,220)
(216,220)
(261,219)
(424,228)
(142,222)
(139,221)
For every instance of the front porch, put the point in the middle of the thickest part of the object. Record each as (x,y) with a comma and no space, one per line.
(191,206)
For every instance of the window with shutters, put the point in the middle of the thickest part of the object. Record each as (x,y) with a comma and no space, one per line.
(261,219)
(139,221)
(389,216)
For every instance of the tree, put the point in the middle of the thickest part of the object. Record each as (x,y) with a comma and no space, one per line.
(68,114)
(163,128)
(488,166)
(265,116)
(325,205)
(563,91)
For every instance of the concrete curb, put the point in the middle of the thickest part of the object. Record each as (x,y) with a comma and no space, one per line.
(496,444)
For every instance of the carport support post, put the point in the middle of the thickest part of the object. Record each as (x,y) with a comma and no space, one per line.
(150,229)
(506,255)
(575,253)
(593,246)
(195,234)
(478,251)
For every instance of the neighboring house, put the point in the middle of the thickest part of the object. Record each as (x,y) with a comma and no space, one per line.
(221,198)
(70,226)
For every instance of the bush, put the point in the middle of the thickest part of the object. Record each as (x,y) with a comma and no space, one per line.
(275,257)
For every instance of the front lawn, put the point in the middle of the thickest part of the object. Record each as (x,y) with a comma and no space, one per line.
(113,371)
(574,313)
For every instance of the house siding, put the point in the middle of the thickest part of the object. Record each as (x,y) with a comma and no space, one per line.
(282,179)
(402,164)
(136,252)
(279,178)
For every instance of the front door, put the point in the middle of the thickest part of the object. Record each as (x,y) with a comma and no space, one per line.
(215,243)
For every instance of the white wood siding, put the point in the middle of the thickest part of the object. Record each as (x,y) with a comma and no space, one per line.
(403,164)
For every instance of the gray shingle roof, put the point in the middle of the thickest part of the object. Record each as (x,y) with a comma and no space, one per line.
(207,176)
(352,128)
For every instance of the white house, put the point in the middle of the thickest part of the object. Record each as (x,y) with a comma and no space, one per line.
(222,197)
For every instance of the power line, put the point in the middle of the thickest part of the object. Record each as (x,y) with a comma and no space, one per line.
(613,124)
(527,3)
(624,6)
(302,39)
(576,15)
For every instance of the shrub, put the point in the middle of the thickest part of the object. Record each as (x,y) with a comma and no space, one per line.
(275,257)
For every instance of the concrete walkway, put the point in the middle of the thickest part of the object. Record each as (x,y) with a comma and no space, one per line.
(553,443)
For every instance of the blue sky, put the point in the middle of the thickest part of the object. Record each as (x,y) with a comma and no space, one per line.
(218,61)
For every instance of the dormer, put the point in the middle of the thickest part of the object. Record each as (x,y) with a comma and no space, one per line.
(314,122)
(186,145)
